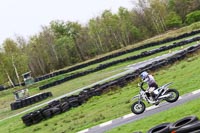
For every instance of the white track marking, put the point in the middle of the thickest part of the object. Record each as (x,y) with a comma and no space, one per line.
(105,124)
(83,131)
(127,116)
(195,92)
(180,98)
(152,107)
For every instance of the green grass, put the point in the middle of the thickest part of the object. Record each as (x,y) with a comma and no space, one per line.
(145,124)
(7,97)
(114,104)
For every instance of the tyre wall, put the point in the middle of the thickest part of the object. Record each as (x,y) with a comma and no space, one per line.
(30,100)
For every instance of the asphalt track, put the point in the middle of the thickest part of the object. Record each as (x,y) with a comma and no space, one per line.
(149,111)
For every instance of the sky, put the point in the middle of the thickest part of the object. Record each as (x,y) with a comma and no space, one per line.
(25,17)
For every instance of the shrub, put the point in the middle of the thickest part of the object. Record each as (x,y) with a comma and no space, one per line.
(173,20)
(193,17)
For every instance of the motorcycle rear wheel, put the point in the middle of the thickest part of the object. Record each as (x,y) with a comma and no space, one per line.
(174,95)
(138,107)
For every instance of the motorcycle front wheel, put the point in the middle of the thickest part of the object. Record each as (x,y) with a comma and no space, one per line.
(174,95)
(138,107)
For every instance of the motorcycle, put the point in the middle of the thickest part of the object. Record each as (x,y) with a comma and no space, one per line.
(162,93)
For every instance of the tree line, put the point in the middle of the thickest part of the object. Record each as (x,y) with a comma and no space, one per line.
(62,44)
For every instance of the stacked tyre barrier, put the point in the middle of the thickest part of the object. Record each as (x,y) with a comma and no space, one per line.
(2,88)
(97,90)
(106,65)
(115,55)
(30,100)
(189,124)
(54,108)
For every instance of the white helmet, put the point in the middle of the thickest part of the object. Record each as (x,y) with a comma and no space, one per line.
(143,75)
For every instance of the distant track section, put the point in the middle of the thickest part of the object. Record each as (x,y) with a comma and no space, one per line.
(115,55)
(109,64)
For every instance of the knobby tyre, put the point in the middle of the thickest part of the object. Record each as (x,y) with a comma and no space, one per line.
(174,95)
(138,107)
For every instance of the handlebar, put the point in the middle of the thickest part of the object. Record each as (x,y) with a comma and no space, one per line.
(141,86)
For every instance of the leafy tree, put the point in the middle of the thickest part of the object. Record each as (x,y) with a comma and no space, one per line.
(193,17)
(14,60)
(129,32)
(70,30)
(3,78)
(95,32)
(184,7)
(37,53)
(173,20)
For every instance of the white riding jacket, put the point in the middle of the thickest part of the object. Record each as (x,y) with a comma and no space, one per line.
(150,80)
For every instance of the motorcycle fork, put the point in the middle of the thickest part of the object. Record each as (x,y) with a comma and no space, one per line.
(164,91)
(139,99)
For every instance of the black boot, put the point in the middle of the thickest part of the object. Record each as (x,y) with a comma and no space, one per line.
(153,96)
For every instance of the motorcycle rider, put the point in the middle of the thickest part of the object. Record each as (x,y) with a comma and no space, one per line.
(152,85)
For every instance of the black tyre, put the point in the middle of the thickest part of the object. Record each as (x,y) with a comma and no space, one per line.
(47,114)
(138,107)
(183,122)
(65,106)
(37,117)
(174,95)
(162,128)
(18,104)
(27,119)
(98,92)
(54,103)
(13,106)
(56,110)
(189,128)
(64,99)
(196,131)
(74,103)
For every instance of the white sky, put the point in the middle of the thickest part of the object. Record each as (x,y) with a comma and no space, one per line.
(25,17)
